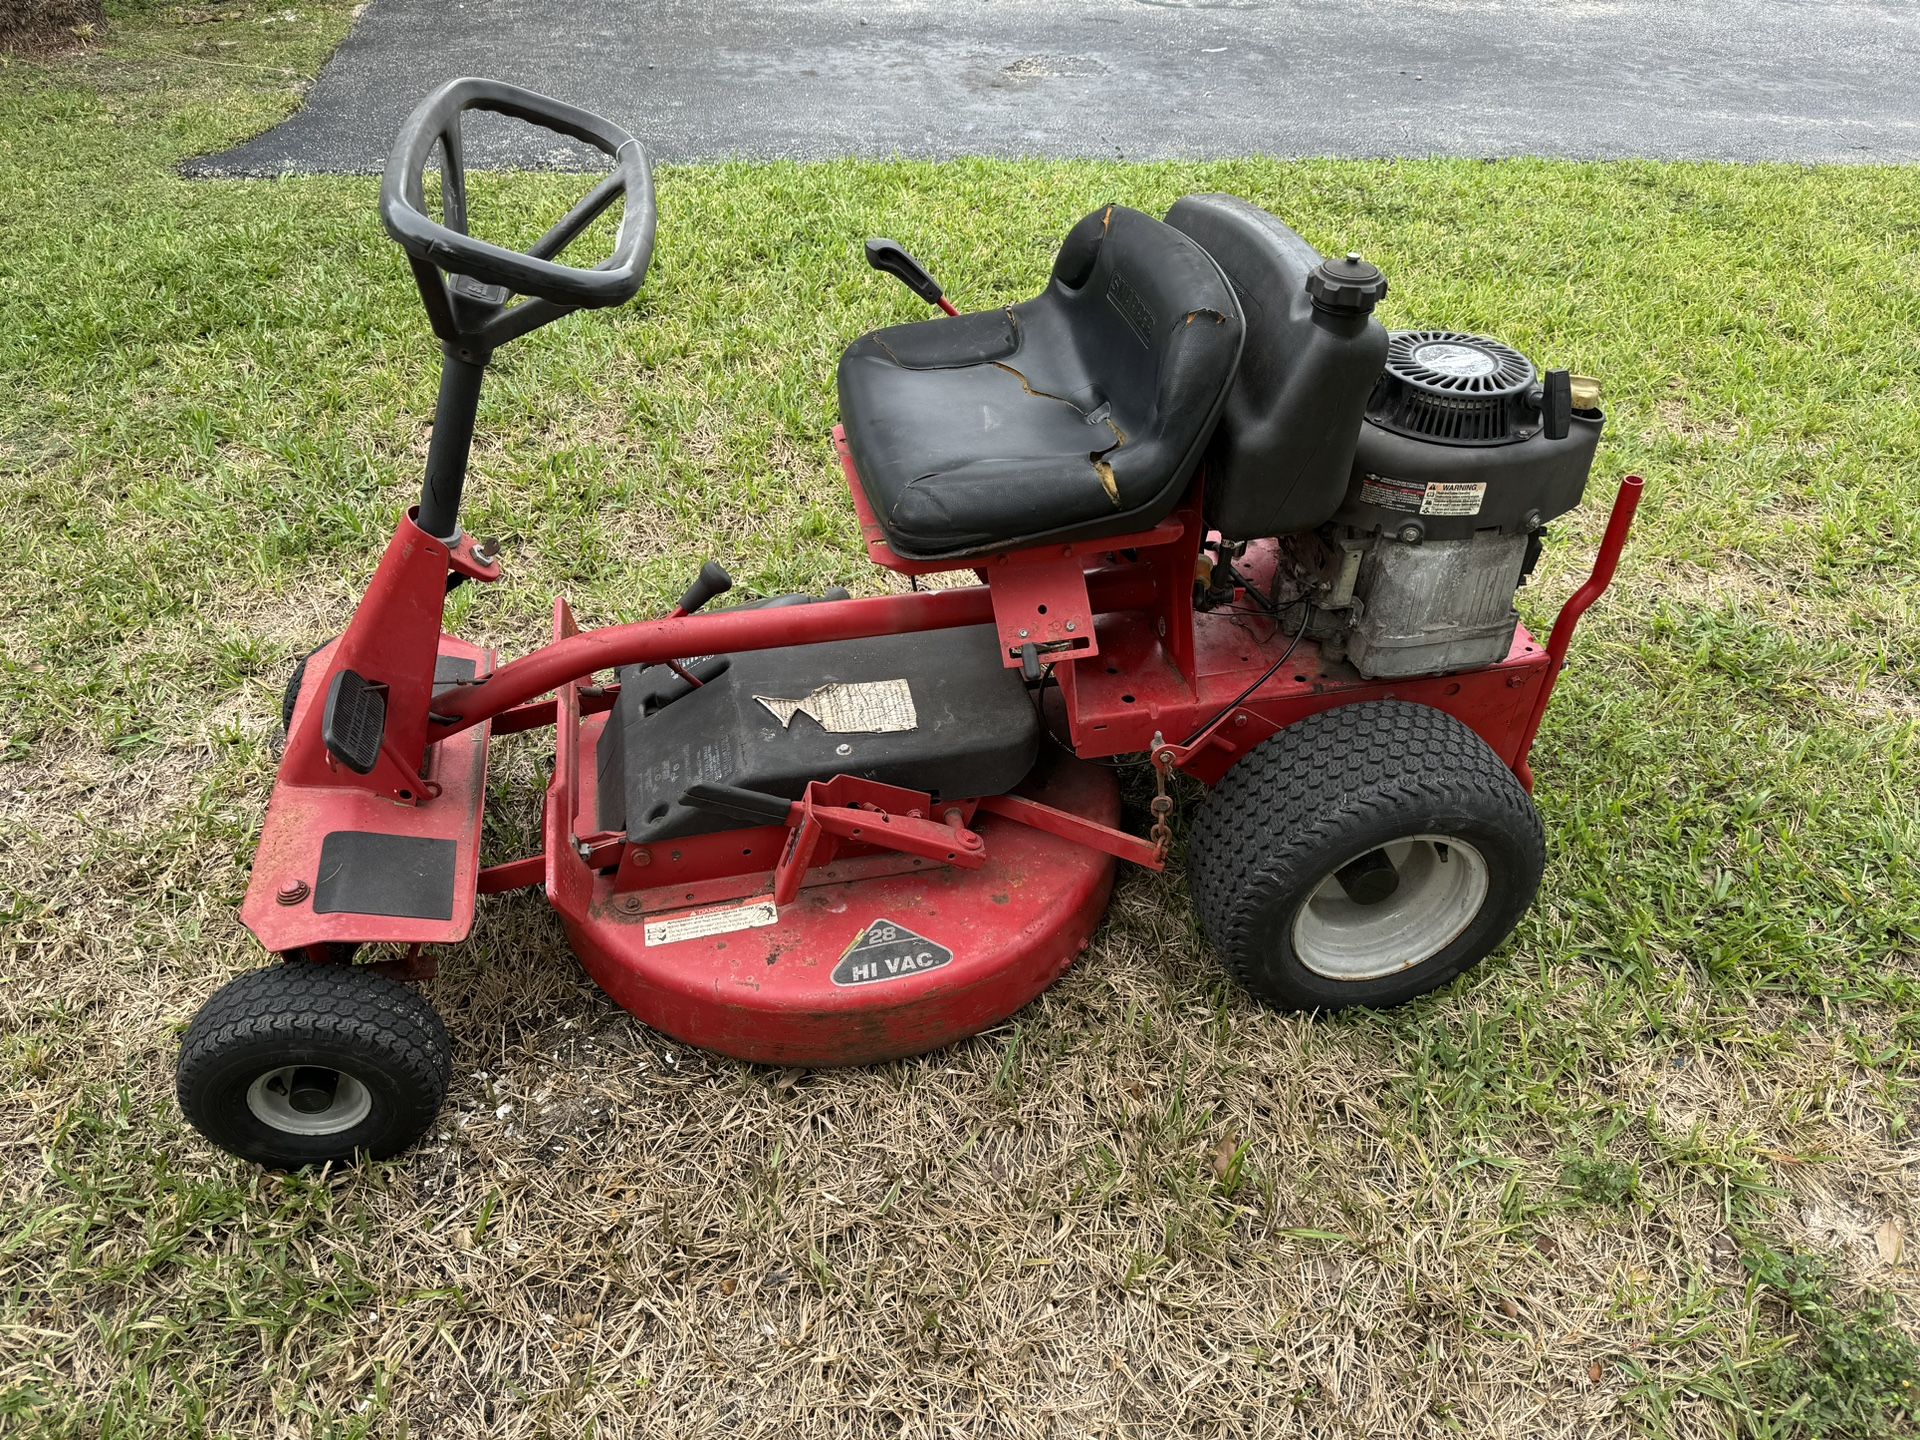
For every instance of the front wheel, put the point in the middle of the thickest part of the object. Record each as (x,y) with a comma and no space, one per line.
(300,1064)
(291,695)
(1363,856)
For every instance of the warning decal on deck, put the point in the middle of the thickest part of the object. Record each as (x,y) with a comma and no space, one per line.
(1452,497)
(886,951)
(702,923)
(870,707)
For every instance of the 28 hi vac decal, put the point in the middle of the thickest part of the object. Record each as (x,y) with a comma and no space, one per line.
(886,951)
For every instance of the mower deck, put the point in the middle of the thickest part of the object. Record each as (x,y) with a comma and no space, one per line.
(879,955)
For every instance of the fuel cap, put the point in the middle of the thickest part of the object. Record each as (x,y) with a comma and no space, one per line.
(1347,287)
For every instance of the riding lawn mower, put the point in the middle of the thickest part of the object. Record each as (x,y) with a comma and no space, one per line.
(1216,518)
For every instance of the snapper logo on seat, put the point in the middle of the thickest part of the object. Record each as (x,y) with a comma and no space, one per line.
(888,951)
(1125,299)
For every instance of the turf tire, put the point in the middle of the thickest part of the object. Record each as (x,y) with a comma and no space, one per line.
(1331,788)
(292,693)
(376,1030)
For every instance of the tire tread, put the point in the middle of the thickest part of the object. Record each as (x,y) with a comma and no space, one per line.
(1297,794)
(294,1004)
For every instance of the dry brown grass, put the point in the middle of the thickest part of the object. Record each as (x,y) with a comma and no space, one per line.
(1042,1232)
(36,27)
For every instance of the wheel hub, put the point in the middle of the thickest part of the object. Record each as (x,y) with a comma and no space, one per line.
(1369,880)
(1392,908)
(309,1100)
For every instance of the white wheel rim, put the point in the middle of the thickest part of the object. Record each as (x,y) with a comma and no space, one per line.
(285,1099)
(1442,883)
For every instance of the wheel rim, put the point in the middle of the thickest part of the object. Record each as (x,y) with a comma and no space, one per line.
(309,1100)
(1433,890)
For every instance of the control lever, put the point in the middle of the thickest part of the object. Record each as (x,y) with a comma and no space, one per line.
(891,259)
(713,581)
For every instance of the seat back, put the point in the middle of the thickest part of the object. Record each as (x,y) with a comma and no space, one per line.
(1154,334)
(1282,454)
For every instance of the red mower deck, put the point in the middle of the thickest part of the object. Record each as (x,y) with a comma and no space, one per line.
(871,967)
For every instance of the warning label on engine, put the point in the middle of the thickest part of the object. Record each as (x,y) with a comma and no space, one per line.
(1392,494)
(1450,497)
(702,923)
(886,951)
(1437,497)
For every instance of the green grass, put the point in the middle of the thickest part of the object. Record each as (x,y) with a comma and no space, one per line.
(1643,1174)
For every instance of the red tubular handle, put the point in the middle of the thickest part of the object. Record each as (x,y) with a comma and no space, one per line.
(650,642)
(719,633)
(1605,561)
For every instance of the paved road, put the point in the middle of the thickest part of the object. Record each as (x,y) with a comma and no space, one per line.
(1138,79)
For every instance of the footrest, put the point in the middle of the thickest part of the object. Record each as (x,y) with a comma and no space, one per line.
(340,865)
(369,872)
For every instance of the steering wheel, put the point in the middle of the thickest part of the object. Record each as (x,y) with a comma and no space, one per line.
(468,284)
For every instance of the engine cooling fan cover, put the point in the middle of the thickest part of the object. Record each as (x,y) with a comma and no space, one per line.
(1454,389)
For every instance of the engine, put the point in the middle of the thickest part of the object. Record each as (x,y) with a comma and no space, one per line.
(1465,455)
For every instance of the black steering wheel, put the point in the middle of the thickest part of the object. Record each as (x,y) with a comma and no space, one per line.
(468,285)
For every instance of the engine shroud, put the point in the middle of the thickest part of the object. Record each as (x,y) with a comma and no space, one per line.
(1454,389)
(1454,480)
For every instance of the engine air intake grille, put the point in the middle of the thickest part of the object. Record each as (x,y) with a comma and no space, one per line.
(1454,389)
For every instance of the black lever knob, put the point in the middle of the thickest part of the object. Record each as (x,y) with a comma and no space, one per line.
(885,256)
(713,581)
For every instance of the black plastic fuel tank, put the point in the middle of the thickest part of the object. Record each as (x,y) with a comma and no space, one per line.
(1281,454)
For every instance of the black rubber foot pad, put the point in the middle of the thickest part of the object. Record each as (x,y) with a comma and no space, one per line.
(366,873)
(451,672)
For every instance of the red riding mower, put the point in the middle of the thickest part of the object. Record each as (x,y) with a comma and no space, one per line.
(1218,517)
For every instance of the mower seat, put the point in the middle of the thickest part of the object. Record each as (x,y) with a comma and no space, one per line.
(1078,414)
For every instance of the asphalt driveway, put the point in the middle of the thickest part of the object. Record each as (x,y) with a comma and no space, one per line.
(1811,80)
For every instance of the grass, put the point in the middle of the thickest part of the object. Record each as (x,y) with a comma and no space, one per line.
(1651,1171)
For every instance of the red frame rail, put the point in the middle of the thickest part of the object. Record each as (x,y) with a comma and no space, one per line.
(1148,672)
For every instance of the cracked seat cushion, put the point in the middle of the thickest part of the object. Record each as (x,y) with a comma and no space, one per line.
(1077,414)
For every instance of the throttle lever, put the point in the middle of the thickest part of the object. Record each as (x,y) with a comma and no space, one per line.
(890,258)
(712,580)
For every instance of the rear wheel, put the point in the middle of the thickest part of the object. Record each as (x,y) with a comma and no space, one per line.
(300,1064)
(1363,856)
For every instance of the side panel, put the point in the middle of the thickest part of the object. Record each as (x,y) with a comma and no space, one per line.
(1119,707)
(324,871)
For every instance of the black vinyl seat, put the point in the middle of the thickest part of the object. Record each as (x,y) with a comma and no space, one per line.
(1078,414)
